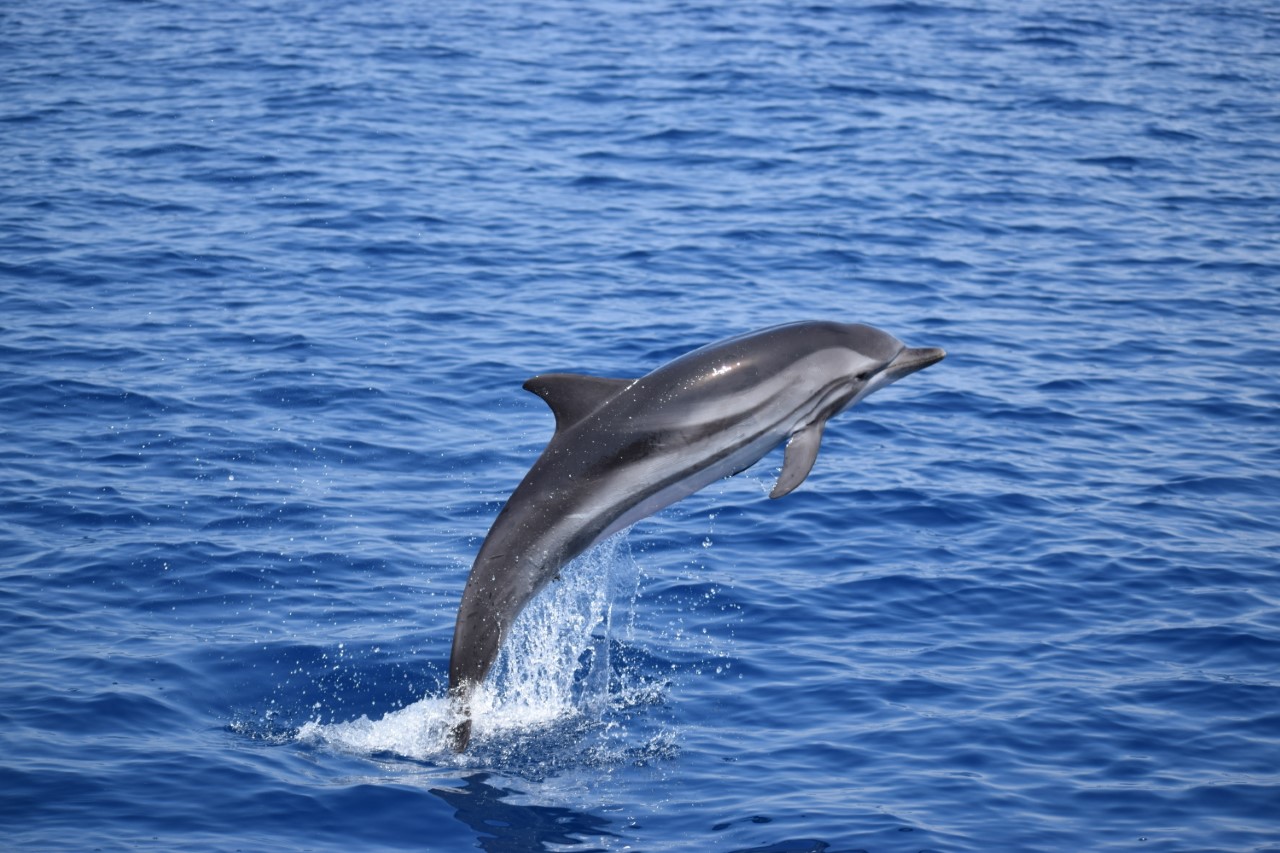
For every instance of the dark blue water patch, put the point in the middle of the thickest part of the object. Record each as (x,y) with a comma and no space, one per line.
(1038,37)
(234,796)
(177,151)
(903,11)
(1204,645)
(76,512)
(244,514)
(1169,134)
(1259,486)
(1241,701)
(103,712)
(42,790)
(294,391)
(508,826)
(618,183)
(1038,416)
(798,845)
(1126,163)
(1069,106)
(933,515)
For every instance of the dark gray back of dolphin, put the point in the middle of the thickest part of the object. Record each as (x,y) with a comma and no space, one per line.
(625,448)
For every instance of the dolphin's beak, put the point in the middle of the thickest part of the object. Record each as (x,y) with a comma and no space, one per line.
(912,359)
(904,363)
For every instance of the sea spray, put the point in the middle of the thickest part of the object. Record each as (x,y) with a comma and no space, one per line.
(555,668)
(555,664)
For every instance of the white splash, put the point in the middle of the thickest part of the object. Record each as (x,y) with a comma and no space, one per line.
(553,669)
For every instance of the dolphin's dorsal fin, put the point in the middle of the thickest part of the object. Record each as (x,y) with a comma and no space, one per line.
(801,452)
(573,396)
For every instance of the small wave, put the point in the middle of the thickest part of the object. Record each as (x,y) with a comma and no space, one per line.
(172,150)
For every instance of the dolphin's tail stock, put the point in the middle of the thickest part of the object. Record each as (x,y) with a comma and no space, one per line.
(460,705)
(484,618)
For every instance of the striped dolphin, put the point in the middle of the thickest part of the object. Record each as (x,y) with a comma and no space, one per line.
(625,448)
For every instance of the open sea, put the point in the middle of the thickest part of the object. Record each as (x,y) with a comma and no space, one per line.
(272,274)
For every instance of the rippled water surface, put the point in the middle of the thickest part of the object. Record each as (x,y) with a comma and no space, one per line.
(271,275)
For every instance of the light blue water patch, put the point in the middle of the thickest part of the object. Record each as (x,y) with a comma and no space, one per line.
(271,277)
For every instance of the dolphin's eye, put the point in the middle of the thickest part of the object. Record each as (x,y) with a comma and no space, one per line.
(862,377)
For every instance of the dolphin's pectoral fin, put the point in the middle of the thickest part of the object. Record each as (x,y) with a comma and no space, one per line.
(801,452)
(573,396)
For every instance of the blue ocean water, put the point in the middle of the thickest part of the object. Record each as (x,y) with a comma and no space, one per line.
(271,275)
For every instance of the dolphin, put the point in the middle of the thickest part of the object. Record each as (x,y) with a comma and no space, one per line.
(625,448)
